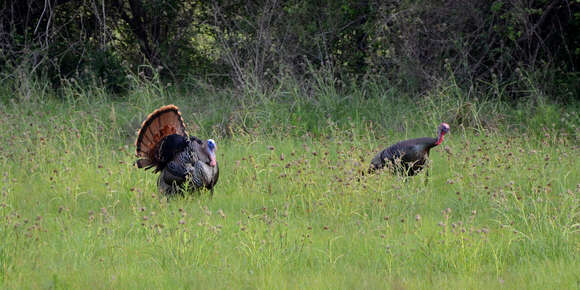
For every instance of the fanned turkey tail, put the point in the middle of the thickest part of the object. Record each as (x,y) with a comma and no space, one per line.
(163,122)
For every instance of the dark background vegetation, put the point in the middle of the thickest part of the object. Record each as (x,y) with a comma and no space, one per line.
(413,46)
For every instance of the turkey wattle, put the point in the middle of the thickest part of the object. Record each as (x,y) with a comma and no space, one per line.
(183,161)
(410,156)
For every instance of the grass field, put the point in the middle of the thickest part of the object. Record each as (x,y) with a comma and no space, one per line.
(500,210)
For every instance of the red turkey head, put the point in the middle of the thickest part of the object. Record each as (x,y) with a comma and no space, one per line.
(441,131)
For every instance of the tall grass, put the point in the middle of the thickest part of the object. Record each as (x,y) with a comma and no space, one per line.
(291,210)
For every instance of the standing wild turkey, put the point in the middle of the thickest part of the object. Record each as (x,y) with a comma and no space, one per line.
(409,157)
(162,143)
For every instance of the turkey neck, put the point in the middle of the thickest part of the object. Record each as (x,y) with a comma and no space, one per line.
(439,140)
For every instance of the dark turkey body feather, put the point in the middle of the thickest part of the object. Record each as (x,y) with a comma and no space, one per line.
(183,161)
(188,166)
(408,157)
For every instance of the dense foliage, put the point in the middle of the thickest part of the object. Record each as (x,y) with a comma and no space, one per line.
(409,44)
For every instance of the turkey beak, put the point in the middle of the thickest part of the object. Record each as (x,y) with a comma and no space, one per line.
(447,128)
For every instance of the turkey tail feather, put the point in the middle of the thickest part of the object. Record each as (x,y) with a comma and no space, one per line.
(144,163)
(161,123)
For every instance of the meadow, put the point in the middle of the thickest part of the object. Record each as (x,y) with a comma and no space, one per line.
(500,208)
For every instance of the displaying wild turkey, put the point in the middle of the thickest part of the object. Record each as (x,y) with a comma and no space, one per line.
(183,161)
(409,157)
